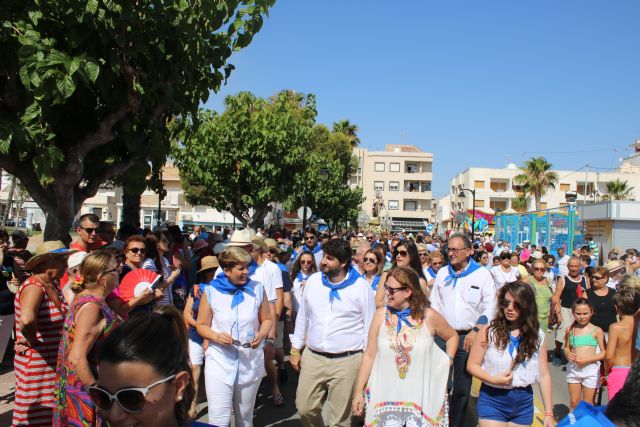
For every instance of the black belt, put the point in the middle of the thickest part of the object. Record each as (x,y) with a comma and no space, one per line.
(335,355)
(466,331)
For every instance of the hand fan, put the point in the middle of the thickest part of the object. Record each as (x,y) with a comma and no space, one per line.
(136,282)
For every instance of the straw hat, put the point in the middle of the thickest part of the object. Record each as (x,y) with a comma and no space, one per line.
(208,263)
(614,265)
(259,243)
(46,251)
(272,244)
(536,255)
(243,238)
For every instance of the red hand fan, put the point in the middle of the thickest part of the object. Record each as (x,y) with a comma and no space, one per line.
(136,282)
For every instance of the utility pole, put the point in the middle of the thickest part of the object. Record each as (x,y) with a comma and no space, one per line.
(586,185)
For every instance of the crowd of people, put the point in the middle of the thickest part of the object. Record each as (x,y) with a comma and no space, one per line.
(119,328)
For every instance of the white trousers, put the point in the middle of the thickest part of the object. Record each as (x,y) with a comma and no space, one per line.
(221,398)
(6,329)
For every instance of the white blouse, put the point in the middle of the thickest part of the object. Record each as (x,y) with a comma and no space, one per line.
(497,362)
(501,277)
(242,323)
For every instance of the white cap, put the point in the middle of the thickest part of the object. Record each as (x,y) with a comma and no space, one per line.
(74,260)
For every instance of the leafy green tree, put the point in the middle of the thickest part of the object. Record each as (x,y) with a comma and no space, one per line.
(536,178)
(349,129)
(86,86)
(618,190)
(520,203)
(248,156)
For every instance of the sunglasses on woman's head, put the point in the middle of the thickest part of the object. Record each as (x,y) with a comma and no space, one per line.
(136,250)
(131,400)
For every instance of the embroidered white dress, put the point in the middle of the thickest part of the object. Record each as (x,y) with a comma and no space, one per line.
(408,382)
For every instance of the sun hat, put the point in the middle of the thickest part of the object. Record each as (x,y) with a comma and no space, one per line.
(259,243)
(422,247)
(208,263)
(200,244)
(536,255)
(75,259)
(243,238)
(47,250)
(614,265)
(272,244)
(219,247)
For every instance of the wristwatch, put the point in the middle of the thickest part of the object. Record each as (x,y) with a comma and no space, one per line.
(475,329)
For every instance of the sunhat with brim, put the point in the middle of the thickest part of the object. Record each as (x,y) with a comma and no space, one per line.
(537,255)
(208,263)
(76,259)
(46,251)
(614,265)
(260,243)
(200,244)
(243,238)
(219,247)
(272,244)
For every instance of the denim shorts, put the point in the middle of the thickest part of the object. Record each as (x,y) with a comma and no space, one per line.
(506,405)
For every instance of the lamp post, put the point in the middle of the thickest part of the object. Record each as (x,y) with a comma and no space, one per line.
(473,210)
(324,174)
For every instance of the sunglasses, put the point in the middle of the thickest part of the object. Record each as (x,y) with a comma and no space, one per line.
(402,253)
(309,237)
(455,251)
(273,252)
(237,343)
(111,271)
(90,230)
(305,262)
(539,269)
(506,303)
(370,260)
(370,238)
(392,291)
(132,399)
(598,277)
(423,253)
(136,250)
(436,263)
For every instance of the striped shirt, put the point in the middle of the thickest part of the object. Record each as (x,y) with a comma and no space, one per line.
(167,295)
(35,370)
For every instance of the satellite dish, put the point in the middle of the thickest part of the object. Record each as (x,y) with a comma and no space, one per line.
(301,212)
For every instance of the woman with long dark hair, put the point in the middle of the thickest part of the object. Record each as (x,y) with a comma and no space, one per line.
(157,247)
(404,255)
(508,357)
(302,269)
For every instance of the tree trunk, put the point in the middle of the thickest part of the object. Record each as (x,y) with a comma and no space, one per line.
(131,207)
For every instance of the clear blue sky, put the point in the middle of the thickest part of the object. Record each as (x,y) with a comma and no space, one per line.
(477,83)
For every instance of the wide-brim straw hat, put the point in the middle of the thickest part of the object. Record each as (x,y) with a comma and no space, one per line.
(243,238)
(614,265)
(208,263)
(46,251)
(272,244)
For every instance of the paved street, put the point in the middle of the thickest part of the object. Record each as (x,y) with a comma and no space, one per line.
(285,416)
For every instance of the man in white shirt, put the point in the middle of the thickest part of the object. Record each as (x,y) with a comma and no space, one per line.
(563,260)
(310,245)
(464,293)
(332,323)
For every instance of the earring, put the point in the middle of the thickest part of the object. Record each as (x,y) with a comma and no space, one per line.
(180,397)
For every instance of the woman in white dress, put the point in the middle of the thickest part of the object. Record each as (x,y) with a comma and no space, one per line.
(504,272)
(234,316)
(403,376)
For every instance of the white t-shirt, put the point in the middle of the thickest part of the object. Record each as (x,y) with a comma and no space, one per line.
(501,277)
(271,277)
(563,270)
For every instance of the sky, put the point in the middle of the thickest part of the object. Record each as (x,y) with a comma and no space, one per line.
(477,83)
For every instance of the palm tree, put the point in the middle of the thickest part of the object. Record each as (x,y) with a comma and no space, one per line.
(536,178)
(349,129)
(618,190)
(520,203)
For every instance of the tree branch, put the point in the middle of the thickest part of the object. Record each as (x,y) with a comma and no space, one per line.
(92,187)
(27,176)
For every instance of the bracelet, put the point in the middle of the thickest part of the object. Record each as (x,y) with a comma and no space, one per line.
(548,414)
(293,352)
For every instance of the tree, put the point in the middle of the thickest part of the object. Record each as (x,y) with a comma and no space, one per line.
(86,86)
(349,129)
(618,190)
(536,178)
(247,157)
(520,203)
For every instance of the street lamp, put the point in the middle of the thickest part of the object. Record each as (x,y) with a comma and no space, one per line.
(473,211)
(324,174)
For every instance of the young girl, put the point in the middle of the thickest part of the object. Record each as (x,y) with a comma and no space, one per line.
(584,349)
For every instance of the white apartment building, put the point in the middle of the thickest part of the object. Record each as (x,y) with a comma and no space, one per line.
(396,182)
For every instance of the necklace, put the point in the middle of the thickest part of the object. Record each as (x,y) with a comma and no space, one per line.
(401,343)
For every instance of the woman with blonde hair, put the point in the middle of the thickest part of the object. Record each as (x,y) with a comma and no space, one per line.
(406,372)
(541,286)
(88,323)
(235,317)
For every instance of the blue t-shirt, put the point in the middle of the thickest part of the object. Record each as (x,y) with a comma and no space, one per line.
(193,333)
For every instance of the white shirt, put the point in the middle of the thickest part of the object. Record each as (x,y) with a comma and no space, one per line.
(501,277)
(563,270)
(271,277)
(473,296)
(498,362)
(338,326)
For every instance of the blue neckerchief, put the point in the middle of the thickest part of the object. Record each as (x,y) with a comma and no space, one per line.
(301,277)
(402,317)
(315,249)
(514,346)
(432,273)
(282,267)
(352,276)
(388,257)
(222,284)
(453,277)
(375,281)
(253,266)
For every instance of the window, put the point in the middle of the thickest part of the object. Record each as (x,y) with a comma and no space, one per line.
(498,186)
(393,205)
(378,166)
(412,168)
(498,205)
(378,185)
(394,185)
(478,184)
(410,205)
(394,167)
(585,189)
(565,187)
(479,203)
(425,186)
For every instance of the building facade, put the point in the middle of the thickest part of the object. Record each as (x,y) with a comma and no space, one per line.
(396,182)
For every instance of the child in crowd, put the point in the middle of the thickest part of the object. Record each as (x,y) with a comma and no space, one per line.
(582,341)
(618,357)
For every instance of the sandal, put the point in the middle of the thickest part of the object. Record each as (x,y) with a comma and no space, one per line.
(278,400)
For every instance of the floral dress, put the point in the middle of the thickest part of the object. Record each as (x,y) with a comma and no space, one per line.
(74,407)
